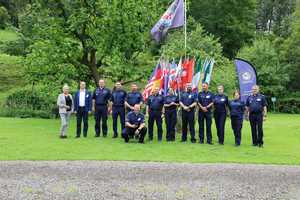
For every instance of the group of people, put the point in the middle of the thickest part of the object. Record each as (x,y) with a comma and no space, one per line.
(127,107)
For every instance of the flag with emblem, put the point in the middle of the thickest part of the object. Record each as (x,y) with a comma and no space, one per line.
(172,18)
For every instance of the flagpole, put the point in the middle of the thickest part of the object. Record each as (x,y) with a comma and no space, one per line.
(185,27)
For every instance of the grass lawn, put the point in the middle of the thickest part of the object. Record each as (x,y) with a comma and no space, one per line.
(37,139)
(8,35)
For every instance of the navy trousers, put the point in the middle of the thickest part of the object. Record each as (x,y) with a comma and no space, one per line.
(128,133)
(207,117)
(256,123)
(171,120)
(101,117)
(118,111)
(155,116)
(188,119)
(237,124)
(220,119)
(82,115)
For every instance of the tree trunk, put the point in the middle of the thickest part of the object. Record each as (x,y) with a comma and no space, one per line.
(93,66)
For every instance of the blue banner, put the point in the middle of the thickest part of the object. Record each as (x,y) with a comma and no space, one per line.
(247,77)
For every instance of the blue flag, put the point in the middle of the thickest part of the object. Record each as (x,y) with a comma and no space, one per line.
(247,77)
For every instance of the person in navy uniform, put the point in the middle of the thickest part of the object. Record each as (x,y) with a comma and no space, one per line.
(82,108)
(205,102)
(135,125)
(237,110)
(133,97)
(155,103)
(101,99)
(188,102)
(118,107)
(171,102)
(220,112)
(256,106)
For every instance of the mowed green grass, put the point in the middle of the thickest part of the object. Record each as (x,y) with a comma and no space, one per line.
(37,139)
(8,35)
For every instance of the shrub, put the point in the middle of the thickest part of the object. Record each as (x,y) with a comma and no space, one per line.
(289,105)
(31,102)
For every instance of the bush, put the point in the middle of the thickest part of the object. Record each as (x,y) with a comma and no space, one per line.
(31,102)
(289,105)
(16,47)
(26,113)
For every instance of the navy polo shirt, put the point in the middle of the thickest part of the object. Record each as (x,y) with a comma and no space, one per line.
(205,98)
(155,102)
(220,103)
(101,96)
(135,119)
(237,108)
(188,98)
(171,99)
(118,97)
(256,103)
(134,98)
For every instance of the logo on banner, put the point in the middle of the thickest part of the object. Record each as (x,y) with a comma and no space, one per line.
(246,77)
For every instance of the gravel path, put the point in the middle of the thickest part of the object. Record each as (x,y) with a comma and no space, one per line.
(133,180)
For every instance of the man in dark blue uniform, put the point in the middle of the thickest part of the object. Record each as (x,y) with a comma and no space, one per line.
(257,112)
(220,113)
(82,107)
(133,97)
(237,110)
(118,107)
(170,105)
(188,102)
(101,99)
(205,102)
(135,125)
(155,103)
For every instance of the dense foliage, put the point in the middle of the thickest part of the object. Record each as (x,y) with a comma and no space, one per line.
(64,41)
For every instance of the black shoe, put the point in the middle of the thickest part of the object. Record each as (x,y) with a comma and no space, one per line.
(210,143)
(104,135)
(221,143)
(141,142)
(193,140)
(77,136)
(255,145)
(260,145)
(201,142)
(115,136)
(61,137)
(237,145)
(183,141)
(97,135)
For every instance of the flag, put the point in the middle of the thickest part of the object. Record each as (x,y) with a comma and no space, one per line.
(172,18)
(187,73)
(197,76)
(208,71)
(154,81)
(172,83)
(165,78)
(247,77)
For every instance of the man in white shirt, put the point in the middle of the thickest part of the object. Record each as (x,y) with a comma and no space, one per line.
(82,107)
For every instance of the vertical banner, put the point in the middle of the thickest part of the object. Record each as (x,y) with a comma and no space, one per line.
(247,77)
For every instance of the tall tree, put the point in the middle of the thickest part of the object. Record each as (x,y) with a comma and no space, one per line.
(233,21)
(88,36)
(274,16)
(291,51)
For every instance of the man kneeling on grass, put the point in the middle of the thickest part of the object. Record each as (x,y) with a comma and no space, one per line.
(135,125)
